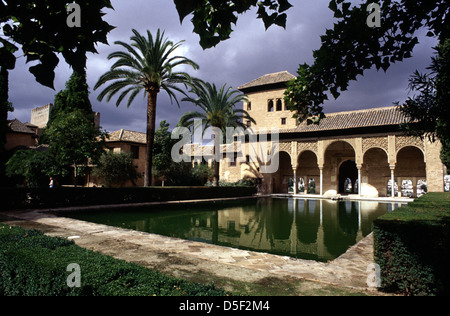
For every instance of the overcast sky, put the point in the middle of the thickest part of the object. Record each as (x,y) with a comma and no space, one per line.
(250,53)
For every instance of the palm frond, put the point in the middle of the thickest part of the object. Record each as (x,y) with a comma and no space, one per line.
(217,105)
(148,62)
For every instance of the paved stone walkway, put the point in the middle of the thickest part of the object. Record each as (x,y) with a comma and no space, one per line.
(170,254)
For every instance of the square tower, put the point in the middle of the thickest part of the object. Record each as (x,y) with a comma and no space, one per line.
(266,101)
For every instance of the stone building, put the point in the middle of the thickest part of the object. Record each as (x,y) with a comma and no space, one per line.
(20,135)
(357,152)
(362,152)
(130,142)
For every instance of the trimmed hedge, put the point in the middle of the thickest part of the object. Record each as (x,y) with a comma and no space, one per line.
(33,264)
(412,247)
(20,198)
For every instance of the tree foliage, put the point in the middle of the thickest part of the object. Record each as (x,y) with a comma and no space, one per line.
(213,19)
(429,110)
(203,173)
(217,106)
(147,65)
(351,48)
(74,140)
(75,96)
(162,160)
(175,173)
(40,29)
(115,169)
(217,111)
(32,166)
(3,118)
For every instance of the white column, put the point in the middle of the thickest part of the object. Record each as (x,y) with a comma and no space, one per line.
(359,179)
(321,181)
(392,181)
(295,180)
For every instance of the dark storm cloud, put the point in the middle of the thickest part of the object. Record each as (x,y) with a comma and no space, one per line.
(251,52)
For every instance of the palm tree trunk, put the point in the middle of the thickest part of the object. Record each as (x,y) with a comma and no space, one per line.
(151,125)
(216,173)
(216,157)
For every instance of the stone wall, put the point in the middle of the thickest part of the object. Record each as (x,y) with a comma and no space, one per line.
(40,115)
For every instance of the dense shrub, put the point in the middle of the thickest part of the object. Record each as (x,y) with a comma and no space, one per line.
(115,169)
(19,198)
(34,264)
(412,247)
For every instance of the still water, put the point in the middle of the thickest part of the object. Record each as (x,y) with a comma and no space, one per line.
(309,229)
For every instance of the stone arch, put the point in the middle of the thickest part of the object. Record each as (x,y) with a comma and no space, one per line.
(347,171)
(376,147)
(307,168)
(286,147)
(311,146)
(410,165)
(333,141)
(335,154)
(307,157)
(375,142)
(408,141)
(375,172)
(284,173)
(409,146)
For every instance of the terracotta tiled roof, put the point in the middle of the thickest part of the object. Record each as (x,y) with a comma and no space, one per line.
(124,135)
(353,119)
(274,78)
(18,127)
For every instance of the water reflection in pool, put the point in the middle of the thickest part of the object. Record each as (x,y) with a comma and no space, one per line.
(308,229)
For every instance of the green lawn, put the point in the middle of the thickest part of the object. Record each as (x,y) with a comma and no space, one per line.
(32,263)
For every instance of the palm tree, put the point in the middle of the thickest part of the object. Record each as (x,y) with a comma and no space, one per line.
(217,111)
(147,65)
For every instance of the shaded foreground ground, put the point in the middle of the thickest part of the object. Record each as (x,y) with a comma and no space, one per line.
(239,271)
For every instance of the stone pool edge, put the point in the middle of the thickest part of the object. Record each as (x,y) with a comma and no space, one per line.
(348,270)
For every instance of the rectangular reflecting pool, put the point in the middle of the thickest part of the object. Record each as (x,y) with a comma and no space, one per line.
(319,230)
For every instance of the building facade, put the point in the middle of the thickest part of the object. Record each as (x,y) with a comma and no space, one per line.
(131,142)
(364,152)
(359,152)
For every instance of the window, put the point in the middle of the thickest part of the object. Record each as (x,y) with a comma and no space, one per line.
(249,106)
(233,163)
(279,105)
(283,121)
(135,152)
(270,106)
(249,123)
